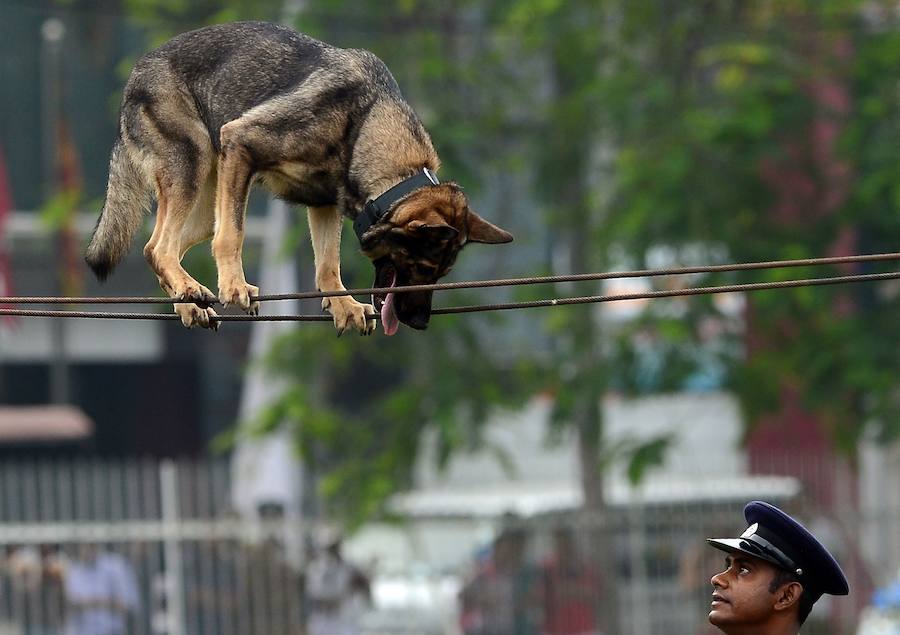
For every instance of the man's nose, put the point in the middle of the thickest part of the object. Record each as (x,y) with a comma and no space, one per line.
(718,580)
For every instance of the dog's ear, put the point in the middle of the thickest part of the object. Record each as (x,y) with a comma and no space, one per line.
(373,242)
(430,231)
(481,231)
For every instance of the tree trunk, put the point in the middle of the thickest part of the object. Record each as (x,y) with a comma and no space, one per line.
(588,421)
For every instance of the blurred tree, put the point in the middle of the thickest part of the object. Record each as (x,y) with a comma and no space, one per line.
(717,129)
(164,18)
(762,127)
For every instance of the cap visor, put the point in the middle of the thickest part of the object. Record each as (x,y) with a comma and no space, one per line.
(726,544)
(731,545)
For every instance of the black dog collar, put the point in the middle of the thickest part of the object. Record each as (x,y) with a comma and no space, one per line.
(375,210)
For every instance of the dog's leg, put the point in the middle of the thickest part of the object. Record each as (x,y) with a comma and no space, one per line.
(164,251)
(171,148)
(234,177)
(325,231)
(198,228)
(201,223)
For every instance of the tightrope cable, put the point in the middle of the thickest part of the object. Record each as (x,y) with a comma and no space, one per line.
(592,299)
(478,284)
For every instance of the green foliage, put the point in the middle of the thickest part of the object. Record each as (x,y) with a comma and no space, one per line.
(164,18)
(720,143)
(58,209)
(639,456)
(646,456)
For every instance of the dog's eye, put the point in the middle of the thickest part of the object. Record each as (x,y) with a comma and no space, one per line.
(424,270)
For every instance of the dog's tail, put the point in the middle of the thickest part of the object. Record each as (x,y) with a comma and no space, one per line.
(127,198)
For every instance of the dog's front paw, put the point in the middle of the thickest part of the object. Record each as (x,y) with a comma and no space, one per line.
(192,315)
(350,314)
(239,293)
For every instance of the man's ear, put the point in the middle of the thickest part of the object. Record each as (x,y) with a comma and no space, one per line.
(788,595)
(481,231)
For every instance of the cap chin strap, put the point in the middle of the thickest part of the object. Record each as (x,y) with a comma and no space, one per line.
(374,210)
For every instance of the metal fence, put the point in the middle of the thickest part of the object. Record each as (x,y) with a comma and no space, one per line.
(165,527)
(646,569)
(193,566)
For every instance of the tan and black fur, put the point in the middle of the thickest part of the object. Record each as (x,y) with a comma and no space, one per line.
(214,111)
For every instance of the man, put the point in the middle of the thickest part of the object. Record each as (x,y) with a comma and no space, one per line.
(571,588)
(101,592)
(773,575)
(337,591)
(503,596)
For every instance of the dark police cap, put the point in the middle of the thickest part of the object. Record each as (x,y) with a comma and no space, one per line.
(777,538)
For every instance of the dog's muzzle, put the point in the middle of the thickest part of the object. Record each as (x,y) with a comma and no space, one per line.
(412,309)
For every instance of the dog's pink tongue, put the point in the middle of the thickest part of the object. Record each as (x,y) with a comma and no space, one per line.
(389,320)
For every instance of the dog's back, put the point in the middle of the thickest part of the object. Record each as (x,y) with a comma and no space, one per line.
(180,95)
(229,69)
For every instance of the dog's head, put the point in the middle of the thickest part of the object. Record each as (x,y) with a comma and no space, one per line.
(417,242)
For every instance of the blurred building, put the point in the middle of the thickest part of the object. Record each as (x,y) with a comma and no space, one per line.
(149,387)
(146,388)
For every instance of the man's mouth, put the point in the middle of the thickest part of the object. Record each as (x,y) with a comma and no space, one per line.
(718,599)
(386,276)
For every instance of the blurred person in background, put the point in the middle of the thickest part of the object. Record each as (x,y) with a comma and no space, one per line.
(35,574)
(336,591)
(503,596)
(100,592)
(271,575)
(570,589)
(213,594)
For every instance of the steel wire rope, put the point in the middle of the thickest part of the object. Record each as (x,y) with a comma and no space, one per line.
(479,284)
(689,291)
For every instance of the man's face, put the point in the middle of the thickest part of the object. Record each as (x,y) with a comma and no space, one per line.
(741,596)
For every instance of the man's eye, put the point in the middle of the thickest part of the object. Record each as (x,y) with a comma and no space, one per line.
(744,569)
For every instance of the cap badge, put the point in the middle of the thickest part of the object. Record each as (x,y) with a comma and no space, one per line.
(750,530)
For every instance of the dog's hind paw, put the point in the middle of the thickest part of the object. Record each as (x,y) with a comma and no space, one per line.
(192,315)
(189,291)
(350,315)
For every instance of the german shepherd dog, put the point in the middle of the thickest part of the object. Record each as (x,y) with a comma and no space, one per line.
(213,111)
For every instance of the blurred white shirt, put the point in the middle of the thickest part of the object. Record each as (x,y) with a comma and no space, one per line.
(334,609)
(108,577)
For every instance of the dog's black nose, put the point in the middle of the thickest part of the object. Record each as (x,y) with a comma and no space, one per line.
(414,309)
(418,320)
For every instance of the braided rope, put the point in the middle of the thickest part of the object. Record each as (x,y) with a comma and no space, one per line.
(690,291)
(477,284)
